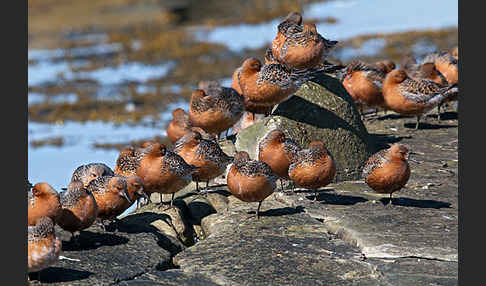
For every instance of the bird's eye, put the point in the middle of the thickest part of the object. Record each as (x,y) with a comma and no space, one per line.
(93,175)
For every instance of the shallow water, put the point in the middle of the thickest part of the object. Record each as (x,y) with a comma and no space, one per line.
(354,18)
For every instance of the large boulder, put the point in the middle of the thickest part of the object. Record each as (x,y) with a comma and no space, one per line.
(319,110)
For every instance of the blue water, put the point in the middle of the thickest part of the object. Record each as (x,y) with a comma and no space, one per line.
(354,18)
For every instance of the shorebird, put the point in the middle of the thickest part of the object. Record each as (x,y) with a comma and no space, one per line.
(300,46)
(87,173)
(278,152)
(179,125)
(43,245)
(110,193)
(42,200)
(387,171)
(414,97)
(250,180)
(217,110)
(313,168)
(163,171)
(79,208)
(206,155)
(364,83)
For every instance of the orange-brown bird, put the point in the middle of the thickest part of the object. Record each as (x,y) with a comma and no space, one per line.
(278,152)
(179,125)
(387,171)
(270,84)
(110,193)
(300,47)
(250,180)
(206,155)
(217,110)
(87,173)
(162,171)
(313,168)
(42,200)
(448,66)
(43,245)
(364,82)
(414,97)
(79,208)
(253,107)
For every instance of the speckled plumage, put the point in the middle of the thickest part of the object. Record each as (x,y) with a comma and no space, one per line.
(419,71)
(100,185)
(444,57)
(127,162)
(252,168)
(306,157)
(426,91)
(43,228)
(224,98)
(73,194)
(375,75)
(305,37)
(291,24)
(377,160)
(84,172)
(43,245)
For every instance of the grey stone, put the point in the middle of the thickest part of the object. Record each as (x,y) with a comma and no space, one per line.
(103,258)
(320,110)
(284,247)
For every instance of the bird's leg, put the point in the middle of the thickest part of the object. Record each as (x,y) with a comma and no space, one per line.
(197,186)
(172,200)
(360,108)
(315,195)
(391,201)
(258,210)
(253,116)
(418,122)
(281,185)
(438,112)
(227,130)
(207,184)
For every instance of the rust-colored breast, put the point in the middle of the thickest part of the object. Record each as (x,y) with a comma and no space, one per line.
(390,178)
(249,189)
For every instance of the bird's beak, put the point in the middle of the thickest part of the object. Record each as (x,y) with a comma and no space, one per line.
(64,189)
(124,194)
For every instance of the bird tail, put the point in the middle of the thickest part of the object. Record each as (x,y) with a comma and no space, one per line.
(445,94)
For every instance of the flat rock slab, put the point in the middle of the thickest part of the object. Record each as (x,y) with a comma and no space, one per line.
(171,277)
(107,257)
(284,247)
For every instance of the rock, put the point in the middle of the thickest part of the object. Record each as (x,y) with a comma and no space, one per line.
(171,222)
(284,247)
(320,110)
(219,201)
(103,258)
(170,277)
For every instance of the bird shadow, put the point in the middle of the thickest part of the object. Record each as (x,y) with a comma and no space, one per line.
(88,240)
(332,198)
(408,202)
(59,274)
(428,126)
(280,211)
(141,223)
(384,141)
(449,115)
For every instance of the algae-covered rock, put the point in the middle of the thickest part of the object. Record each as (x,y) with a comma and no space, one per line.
(320,110)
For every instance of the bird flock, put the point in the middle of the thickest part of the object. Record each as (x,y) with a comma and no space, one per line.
(97,193)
